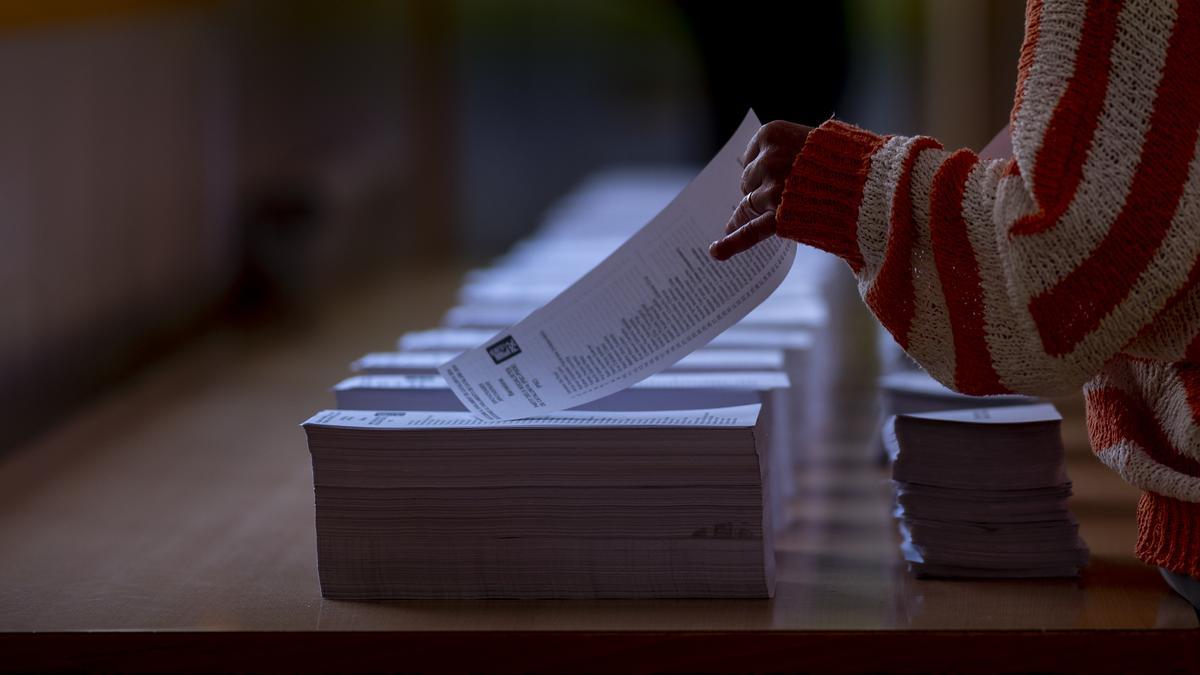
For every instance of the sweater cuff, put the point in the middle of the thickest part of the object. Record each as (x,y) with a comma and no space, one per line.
(822,194)
(1169,533)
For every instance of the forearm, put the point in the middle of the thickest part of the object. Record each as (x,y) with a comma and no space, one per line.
(1061,257)
(927,234)
(915,224)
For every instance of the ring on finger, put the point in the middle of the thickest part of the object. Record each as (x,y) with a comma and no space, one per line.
(750,203)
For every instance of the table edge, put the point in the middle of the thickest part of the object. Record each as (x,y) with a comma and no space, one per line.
(1099,650)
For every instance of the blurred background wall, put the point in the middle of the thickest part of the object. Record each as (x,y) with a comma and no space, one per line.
(168,167)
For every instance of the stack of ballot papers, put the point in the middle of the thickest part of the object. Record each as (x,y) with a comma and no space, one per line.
(663,391)
(983,493)
(684,389)
(577,504)
(915,391)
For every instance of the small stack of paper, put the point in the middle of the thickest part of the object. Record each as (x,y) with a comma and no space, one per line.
(983,493)
(571,505)
(915,391)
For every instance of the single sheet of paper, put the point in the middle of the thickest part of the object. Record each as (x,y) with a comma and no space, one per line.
(656,298)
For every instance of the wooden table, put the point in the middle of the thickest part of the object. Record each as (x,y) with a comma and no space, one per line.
(170,525)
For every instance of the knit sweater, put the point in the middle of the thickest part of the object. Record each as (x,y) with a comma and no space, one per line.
(1075,263)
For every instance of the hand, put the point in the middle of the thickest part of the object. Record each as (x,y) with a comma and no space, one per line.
(768,160)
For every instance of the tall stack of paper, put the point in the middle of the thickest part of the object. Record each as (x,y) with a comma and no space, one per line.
(797,348)
(685,384)
(983,493)
(664,391)
(572,505)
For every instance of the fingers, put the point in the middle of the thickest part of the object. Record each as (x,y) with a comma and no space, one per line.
(744,237)
(756,203)
(767,134)
(744,213)
(755,144)
(762,168)
(780,136)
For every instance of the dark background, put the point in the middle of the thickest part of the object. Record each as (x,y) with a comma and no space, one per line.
(172,168)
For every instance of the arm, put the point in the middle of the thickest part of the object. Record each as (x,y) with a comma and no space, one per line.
(1026,274)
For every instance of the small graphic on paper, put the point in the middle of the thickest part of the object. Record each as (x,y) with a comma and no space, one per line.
(504,349)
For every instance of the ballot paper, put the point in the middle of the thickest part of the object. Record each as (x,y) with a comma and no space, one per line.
(802,312)
(701,360)
(658,297)
(736,416)
(983,493)
(402,362)
(737,337)
(662,391)
(445,505)
(514,286)
(915,391)
(443,339)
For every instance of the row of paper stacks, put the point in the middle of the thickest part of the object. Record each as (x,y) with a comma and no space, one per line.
(674,488)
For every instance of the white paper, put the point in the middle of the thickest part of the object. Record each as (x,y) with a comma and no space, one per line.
(738,337)
(391,382)
(701,360)
(801,312)
(916,381)
(716,360)
(409,361)
(673,380)
(735,417)
(655,299)
(530,284)
(921,383)
(753,337)
(443,339)
(1009,414)
(726,380)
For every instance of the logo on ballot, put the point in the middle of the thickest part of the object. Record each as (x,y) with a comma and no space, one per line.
(503,349)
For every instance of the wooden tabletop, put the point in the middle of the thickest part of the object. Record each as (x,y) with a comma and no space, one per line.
(178,510)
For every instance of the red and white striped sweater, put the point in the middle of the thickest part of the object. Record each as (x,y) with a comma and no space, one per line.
(1073,264)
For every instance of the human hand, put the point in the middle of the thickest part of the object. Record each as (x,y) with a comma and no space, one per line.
(768,160)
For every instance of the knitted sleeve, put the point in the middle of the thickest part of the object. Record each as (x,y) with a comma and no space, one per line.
(1028,275)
